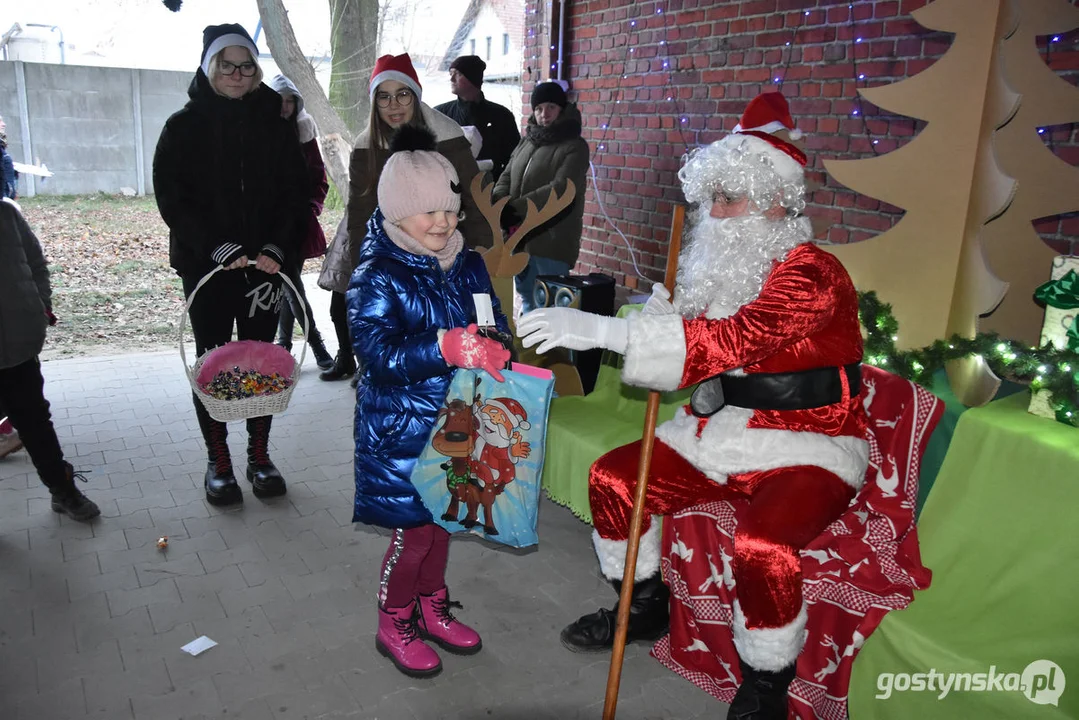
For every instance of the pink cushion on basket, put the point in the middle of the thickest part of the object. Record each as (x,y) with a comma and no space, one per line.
(263,357)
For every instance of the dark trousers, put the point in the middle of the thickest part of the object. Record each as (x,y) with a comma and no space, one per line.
(290,310)
(249,300)
(339,315)
(414,563)
(22,395)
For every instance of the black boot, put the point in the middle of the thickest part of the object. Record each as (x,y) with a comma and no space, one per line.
(649,614)
(67,499)
(344,365)
(762,694)
(318,348)
(220,483)
(265,479)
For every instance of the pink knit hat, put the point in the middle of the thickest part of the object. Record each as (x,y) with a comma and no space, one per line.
(417,178)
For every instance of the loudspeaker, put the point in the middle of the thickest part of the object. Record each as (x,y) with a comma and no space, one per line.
(592,293)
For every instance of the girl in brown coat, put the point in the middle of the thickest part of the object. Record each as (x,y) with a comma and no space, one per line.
(395,101)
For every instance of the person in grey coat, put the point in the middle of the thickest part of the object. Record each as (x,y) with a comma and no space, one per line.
(551,152)
(25,312)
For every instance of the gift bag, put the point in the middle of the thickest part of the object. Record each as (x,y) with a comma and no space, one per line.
(480,470)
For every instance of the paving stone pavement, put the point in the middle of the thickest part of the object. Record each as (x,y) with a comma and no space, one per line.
(92,617)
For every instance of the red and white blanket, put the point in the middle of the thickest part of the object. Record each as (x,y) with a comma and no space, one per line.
(865,564)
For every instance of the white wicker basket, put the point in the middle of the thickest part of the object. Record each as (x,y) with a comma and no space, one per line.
(242,408)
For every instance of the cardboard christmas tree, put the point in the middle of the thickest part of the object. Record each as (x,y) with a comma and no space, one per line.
(946,263)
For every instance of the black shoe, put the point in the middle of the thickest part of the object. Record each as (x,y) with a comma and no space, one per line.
(344,365)
(318,349)
(221,488)
(266,480)
(67,499)
(762,694)
(285,344)
(649,617)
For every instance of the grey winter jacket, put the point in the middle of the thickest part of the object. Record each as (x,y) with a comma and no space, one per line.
(544,159)
(25,293)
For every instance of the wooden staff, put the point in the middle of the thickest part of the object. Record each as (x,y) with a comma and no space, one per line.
(614,676)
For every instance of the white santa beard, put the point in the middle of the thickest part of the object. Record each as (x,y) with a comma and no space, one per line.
(495,434)
(727,261)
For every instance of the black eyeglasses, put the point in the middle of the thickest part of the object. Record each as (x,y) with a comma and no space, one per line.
(246,69)
(403,98)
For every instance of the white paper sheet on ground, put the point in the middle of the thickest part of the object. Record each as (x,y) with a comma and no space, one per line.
(24,169)
(199,645)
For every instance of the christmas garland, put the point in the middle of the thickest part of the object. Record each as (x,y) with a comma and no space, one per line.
(1044,368)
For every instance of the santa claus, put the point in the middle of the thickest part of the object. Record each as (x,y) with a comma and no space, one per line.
(499,444)
(766,324)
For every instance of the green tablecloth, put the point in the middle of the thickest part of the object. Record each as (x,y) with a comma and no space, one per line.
(1000,532)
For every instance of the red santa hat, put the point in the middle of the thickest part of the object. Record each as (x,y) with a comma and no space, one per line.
(395,67)
(766,114)
(514,411)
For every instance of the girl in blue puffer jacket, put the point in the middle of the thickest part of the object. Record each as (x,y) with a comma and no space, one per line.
(412,320)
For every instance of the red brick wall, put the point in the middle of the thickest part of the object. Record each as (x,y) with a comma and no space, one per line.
(653,78)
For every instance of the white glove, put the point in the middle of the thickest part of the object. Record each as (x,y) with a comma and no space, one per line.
(573,330)
(659,303)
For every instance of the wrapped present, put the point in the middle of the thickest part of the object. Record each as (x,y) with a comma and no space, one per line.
(1061,328)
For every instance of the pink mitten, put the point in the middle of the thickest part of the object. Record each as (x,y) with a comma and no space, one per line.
(463,348)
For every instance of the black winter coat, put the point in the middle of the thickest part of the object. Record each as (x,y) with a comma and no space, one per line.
(229,177)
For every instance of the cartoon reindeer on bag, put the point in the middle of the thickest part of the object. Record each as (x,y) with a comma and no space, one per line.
(456,439)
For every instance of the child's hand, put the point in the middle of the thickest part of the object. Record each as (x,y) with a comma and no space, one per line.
(463,348)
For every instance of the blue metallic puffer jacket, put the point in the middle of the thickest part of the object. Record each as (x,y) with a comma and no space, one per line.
(397,302)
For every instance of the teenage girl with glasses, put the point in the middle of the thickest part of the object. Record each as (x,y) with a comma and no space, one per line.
(230,182)
(396,100)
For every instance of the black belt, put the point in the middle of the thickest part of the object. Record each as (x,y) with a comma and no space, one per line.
(801,390)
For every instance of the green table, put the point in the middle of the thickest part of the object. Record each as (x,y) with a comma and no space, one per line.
(1000,532)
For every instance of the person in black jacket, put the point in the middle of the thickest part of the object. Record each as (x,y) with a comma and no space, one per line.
(25,311)
(8,177)
(497,125)
(229,180)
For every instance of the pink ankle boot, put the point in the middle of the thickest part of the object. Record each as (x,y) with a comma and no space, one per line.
(436,623)
(399,640)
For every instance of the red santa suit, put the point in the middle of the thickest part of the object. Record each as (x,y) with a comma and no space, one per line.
(799,468)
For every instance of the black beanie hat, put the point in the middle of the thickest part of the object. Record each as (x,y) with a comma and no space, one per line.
(216,38)
(549,91)
(471,66)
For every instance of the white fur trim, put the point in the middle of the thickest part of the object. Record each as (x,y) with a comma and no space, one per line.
(399,77)
(655,352)
(770,128)
(769,649)
(727,447)
(786,166)
(612,554)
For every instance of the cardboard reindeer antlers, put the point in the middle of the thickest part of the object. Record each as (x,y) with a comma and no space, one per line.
(503,265)
(500,259)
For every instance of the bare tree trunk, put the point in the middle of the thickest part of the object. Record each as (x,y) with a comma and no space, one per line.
(336,135)
(353,43)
